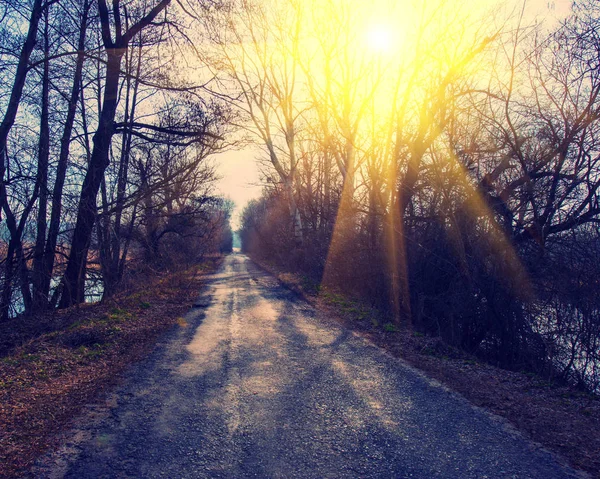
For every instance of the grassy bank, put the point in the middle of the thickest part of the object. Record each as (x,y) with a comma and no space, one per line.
(77,354)
(560,418)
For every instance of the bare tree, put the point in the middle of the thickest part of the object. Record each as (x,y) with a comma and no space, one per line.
(72,284)
(256,52)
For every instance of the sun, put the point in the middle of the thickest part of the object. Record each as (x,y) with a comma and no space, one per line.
(380,38)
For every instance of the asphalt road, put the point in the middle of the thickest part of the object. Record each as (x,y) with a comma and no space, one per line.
(255,384)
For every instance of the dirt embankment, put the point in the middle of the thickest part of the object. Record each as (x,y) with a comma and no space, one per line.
(73,355)
(562,419)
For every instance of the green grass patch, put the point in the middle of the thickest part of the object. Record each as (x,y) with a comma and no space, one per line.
(390,328)
(90,352)
(346,305)
(118,315)
(30,357)
(309,286)
(543,384)
(334,298)
(76,325)
(428,350)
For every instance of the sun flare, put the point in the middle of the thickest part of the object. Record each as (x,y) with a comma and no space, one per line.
(380,38)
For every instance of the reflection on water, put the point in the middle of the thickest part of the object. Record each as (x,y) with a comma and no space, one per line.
(94,289)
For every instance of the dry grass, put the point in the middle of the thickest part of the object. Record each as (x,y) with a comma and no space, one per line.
(75,356)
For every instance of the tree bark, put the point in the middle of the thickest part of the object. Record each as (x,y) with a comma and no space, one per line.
(40,299)
(115,273)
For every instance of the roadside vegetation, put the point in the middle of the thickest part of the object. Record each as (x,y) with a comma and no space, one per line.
(454,185)
(71,357)
(560,417)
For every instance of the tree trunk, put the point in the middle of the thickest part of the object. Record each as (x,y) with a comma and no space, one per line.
(115,261)
(103,228)
(61,169)
(294,212)
(40,299)
(327,189)
(72,284)
(15,247)
(5,299)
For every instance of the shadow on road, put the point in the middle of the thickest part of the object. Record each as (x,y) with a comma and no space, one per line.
(256,385)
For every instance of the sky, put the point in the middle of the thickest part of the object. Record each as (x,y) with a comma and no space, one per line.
(240,178)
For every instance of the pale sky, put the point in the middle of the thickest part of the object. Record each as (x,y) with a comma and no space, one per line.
(558,8)
(240,178)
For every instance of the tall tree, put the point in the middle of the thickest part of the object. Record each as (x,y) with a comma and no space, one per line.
(17,91)
(72,284)
(39,299)
(45,268)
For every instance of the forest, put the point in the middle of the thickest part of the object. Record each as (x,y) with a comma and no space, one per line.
(104,147)
(438,161)
(444,170)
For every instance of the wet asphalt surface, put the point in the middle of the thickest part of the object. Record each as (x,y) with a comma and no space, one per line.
(255,385)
